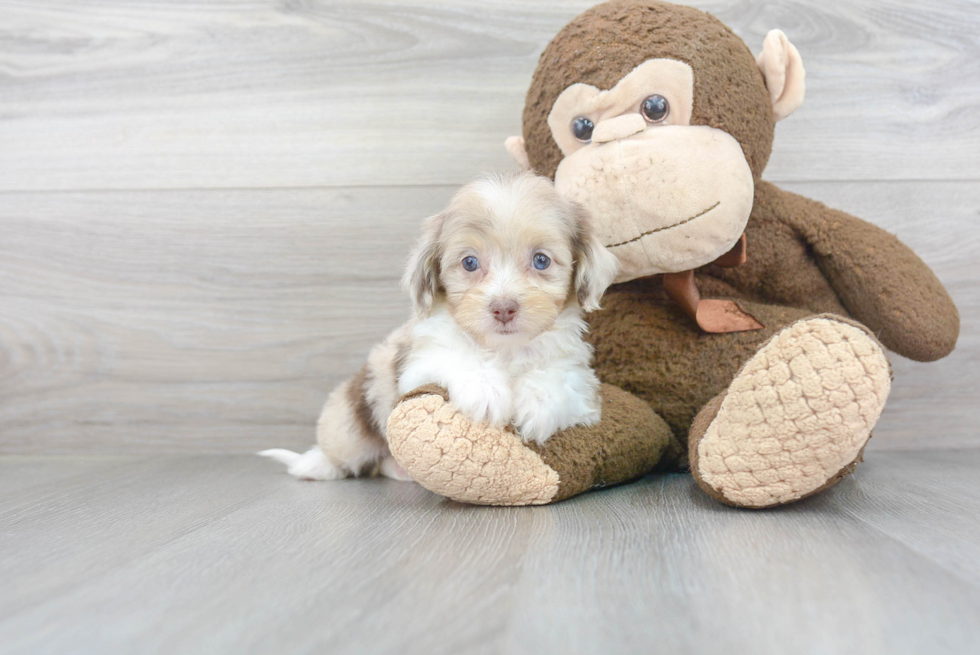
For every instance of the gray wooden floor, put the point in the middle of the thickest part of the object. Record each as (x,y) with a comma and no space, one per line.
(204,210)
(210,554)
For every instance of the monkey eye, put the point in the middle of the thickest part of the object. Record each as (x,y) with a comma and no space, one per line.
(541,261)
(655,108)
(471,263)
(582,129)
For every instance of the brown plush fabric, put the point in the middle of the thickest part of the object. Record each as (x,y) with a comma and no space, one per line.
(778,269)
(645,345)
(877,278)
(698,428)
(426,390)
(804,259)
(606,42)
(627,444)
(805,254)
(470,463)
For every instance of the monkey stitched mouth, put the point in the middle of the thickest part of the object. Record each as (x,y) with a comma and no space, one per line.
(665,227)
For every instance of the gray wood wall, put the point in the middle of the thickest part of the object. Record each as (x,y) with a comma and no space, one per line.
(205,206)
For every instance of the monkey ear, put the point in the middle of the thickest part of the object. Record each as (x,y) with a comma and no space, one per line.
(515,146)
(782,68)
(595,266)
(421,278)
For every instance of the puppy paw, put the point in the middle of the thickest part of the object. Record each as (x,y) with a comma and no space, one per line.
(391,469)
(535,422)
(483,397)
(547,403)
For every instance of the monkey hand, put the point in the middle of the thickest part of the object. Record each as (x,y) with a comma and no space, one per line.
(878,279)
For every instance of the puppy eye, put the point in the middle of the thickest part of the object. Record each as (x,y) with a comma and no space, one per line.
(655,108)
(541,261)
(471,263)
(582,129)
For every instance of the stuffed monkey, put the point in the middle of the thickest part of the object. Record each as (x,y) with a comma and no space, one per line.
(745,338)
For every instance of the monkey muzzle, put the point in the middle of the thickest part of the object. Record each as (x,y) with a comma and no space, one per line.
(663,200)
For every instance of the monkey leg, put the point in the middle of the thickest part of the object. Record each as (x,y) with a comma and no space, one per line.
(647,346)
(796,417)
(451,456)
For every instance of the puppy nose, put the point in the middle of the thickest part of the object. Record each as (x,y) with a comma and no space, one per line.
(619,127)
(504,310)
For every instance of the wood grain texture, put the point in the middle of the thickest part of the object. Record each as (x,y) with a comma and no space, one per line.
(204,207)
(219,320)
(192,317)
(214,554)
(116,95)
(216,320)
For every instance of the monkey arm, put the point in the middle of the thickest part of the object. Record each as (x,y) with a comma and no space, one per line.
(876,277)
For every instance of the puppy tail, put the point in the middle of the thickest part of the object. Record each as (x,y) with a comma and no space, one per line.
(311,465)
(281,455)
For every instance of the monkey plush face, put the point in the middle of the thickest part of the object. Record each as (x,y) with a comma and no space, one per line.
(658,120)
(683,193)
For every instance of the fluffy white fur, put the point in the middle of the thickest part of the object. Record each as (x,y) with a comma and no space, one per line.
(541,386)
(527,367)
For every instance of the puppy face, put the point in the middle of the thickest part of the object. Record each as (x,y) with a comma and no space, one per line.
(506,257)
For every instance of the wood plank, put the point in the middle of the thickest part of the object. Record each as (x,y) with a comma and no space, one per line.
(23,475)
(675,569)
(215,554)
(71,529)
(218,318)
(111,95)
(933,511)
(209,321)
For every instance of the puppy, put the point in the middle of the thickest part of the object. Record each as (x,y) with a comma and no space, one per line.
(499,282)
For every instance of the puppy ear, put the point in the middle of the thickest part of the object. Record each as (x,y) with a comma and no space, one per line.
(595,266)
(421,278)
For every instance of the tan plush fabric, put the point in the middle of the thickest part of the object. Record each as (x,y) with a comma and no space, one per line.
(782,66)
(681,196)
(469,463)
(800,411)
(670,78)
(515,147)
(620,127)
(486,466)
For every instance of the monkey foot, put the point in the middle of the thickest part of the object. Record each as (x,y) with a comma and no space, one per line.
(795,419)
(473,463)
